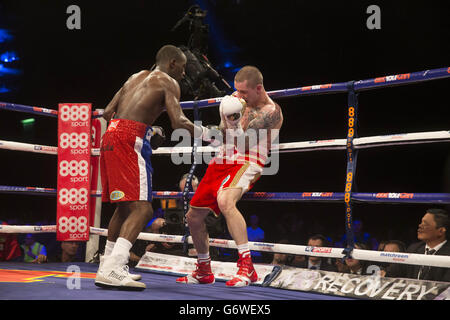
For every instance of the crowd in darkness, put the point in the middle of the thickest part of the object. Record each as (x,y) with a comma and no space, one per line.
(290,228)
(326,55)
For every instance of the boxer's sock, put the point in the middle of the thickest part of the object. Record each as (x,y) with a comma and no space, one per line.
(244,250)
(109,247)
(122,247)
(203,258)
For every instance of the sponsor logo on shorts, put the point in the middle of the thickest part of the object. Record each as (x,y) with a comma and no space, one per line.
(107,147)
(225,180)
(116,195)
(113,124)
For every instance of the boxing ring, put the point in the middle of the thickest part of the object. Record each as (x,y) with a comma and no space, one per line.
(164,281)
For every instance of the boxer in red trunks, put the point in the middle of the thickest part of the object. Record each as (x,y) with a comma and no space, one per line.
(125,157)
(233,172)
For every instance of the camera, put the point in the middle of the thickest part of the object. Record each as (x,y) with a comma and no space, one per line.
(174,222)
(202,81)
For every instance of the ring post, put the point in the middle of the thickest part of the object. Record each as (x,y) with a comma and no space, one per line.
(188,184)
(98,129)
(74,170)
(352,155)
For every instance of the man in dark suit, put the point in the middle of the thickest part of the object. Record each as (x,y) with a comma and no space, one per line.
(433,234)
(314,262)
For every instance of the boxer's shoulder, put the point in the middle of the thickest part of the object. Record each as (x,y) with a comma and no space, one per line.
(163,81)
(268,116)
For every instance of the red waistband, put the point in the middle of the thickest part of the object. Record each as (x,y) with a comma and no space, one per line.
(238,159)
(130,126)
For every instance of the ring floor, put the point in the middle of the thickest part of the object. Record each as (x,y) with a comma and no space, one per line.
(56,281)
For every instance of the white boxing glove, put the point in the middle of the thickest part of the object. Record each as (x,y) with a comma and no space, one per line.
(231,110)
(209,134)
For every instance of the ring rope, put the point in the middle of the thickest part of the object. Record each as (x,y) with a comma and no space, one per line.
(302,146)
(361,85)
(326,252)
(363,197)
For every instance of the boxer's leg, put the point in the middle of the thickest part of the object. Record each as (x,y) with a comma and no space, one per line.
(113,273)
(116,222)
(138,214)
(227,199)
(203,273)
(197,227)
(237,227)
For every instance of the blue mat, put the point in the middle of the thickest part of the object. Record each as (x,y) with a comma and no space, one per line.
(37,282)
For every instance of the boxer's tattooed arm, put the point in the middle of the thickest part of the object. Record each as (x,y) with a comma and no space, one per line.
(264,119)
(261,122)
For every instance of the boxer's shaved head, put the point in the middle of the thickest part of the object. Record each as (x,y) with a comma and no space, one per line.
(168,53)
(251,74)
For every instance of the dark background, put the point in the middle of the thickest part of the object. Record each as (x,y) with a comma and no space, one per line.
(294,44)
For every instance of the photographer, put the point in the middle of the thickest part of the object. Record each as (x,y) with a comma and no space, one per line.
(160,226)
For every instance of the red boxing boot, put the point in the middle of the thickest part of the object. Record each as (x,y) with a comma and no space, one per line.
(245,275)
(201,275)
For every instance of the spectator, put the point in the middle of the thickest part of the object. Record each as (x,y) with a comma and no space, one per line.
(394,246)
(296,230)
(255,234)
(341,266)
(178,203)
(381,245)
(182,182)
(433,235)
(281,259)
(314,262)
(298,261)
(283,225)
(360,236)
(158,213)
(163,247)
(9,246)
(68,253)
(33,251)
(357,266)
(391,246)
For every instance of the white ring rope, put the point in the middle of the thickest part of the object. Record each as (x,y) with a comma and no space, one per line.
(329,144)
(326,252)
(36,148)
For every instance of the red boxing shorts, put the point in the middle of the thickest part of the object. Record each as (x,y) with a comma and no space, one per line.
(125,165)
(220,176)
